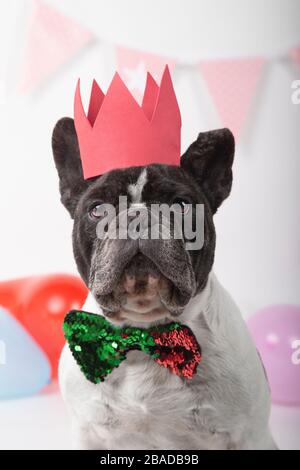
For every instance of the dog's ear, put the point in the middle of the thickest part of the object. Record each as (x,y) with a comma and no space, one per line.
(68,163)
(209,160)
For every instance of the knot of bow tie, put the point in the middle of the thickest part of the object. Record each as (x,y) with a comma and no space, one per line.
(98,346)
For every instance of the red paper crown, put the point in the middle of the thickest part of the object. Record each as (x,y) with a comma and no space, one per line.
(118,133)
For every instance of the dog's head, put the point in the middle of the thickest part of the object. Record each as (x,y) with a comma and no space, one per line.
(144,279)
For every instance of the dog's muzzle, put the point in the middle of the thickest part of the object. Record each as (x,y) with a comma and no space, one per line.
(141,276)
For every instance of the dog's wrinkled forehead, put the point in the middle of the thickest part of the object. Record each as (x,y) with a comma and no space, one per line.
(153,183)
(135,190)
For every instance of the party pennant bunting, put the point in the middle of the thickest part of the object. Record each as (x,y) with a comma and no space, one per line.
(52,40)
(232,84)
(295,55)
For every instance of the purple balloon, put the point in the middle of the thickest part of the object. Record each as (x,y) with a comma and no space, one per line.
(276,333)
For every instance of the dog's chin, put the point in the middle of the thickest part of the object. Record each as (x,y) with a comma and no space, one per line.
(140,311)
(156,315)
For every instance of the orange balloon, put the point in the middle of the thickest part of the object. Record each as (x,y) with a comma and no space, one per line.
(40,303)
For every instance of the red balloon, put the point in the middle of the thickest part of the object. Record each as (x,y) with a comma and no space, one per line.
(40,303)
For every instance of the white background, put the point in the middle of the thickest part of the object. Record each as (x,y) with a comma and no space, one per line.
(258,227)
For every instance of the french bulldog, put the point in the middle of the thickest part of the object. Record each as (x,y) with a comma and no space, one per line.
(142,405)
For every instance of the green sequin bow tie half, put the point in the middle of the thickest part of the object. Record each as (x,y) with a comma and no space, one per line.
(98,346)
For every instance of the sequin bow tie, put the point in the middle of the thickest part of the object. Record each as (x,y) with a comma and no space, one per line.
(98,346)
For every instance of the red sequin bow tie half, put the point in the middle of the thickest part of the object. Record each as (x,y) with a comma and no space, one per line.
(98,346)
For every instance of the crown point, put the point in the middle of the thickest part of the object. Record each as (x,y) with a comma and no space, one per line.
(96,100)
(167,109)
(77,90)
(117,85)
(150,96)
(117,78)
(79,113)
(119,102)
(166,77)
(150,78)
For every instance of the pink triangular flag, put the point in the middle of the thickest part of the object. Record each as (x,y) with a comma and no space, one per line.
(295,55)
(232,84)
(133,66)
(52,40)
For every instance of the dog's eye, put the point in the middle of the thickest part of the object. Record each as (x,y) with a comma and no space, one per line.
(185,205)
(96,212)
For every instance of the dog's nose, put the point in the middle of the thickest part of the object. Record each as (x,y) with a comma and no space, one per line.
(141,284)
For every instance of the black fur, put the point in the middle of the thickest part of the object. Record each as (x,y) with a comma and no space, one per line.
(209,159)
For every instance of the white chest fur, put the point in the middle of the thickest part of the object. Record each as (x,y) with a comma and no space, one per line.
(141,405)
